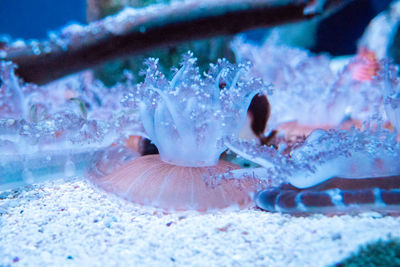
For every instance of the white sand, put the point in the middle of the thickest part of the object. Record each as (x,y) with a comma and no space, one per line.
(71,223)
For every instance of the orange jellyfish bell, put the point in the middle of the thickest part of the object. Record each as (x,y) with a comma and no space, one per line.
(365,65)
(187,119)
(149,181)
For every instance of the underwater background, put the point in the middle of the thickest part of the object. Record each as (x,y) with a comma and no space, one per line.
(78,133)
(337,34)
(33,19)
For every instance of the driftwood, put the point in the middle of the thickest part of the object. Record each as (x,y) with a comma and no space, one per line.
(133,31)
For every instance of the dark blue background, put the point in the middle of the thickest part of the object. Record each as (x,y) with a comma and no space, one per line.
(34,18)
(338,34)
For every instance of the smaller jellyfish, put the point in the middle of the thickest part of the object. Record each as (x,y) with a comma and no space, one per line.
(365,162)
(11,96)
(391,88)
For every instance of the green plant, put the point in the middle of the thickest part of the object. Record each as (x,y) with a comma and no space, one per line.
(379,253)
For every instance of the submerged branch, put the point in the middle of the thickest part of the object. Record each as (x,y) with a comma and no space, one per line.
(136,30)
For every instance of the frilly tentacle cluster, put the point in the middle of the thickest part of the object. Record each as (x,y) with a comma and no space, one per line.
(311,89)
(188,117)
(11,99)
(326,154)
(65,114)
(348,154)
(389,75)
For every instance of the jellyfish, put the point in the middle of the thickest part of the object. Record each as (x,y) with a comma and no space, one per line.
(187,118)
(331,171)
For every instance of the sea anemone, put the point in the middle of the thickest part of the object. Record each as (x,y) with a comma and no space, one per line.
(187,118)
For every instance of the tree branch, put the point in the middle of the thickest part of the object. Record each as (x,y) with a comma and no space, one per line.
(136,30)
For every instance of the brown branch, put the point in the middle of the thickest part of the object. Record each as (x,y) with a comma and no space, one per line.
(137,30)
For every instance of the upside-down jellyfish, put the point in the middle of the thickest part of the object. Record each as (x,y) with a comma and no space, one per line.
(321,105)
(53,130)
(366,161)
(187,118)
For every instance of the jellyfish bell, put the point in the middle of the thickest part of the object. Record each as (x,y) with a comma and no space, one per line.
(187,118)
(150,181)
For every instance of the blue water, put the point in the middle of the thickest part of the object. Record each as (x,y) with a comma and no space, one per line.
(34,18)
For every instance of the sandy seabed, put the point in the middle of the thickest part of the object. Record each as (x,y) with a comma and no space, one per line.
(72,223)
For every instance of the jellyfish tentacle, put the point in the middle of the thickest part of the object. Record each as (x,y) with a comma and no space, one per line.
(147,120)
